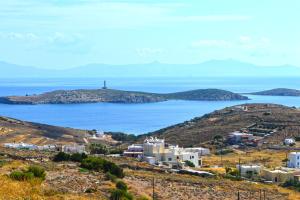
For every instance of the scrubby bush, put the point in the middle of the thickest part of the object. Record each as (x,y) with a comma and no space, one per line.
(189,163)
(90,190)
(297,138)
(37,171)
(142,198)
(118,194)
(111,177)
(121,185)
(93,163)
(30,173)
(61,156)
(292,183)
(17,175)
(224,151)
(78,157)
(99,164)
(98,149)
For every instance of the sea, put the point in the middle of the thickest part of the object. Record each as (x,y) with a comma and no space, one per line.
(136,118)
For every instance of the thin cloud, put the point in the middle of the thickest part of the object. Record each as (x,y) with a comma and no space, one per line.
(212,18)
(211,43)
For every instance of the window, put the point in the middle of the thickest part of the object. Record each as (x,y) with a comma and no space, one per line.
(169,159)
(298,157)
(298,163)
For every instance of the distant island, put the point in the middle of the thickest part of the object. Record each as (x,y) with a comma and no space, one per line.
(278,92)
(120,96)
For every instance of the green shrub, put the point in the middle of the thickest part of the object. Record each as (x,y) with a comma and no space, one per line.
(115,151)
(37,171)
(100,164)
(297,138)
(78,157)
(110,177)
(28,176)
(21,176)
(93,163)
(121,185)
(98,149)
(142,198)
(17,175)
(189,163)
(224,151)
(61,156)
(233,178)
(90,190)
(118,194)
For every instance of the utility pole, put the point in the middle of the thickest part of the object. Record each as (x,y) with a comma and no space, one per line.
(240,166)
(260,194)
(153,193)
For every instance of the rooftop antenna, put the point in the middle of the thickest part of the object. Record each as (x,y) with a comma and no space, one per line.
(104,85)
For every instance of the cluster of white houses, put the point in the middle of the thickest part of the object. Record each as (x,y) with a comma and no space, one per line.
(276,175)
(68,148)
(156,151)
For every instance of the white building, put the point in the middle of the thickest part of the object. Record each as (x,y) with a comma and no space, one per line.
(155,152)
(289,141)
(294,160)
(155,148)
(246,170)
(20,146)
(134,150)
(47,147)
(73,148)
(201,151)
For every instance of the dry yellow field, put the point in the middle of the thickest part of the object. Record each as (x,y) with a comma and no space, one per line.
(268,158)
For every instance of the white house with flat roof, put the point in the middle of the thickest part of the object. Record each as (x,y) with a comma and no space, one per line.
(294,160)
(73,148)
(155,152)
(248,170)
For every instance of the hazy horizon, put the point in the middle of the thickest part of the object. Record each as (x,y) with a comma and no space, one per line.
(64,34)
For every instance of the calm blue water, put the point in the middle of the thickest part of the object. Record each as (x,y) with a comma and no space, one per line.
(134,118)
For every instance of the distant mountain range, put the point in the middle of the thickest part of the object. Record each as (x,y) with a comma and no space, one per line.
(213,68)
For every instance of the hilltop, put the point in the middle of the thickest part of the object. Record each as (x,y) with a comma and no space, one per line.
(119,96)
(224,121)
(279,92)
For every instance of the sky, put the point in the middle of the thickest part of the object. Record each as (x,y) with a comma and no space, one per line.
(61,34)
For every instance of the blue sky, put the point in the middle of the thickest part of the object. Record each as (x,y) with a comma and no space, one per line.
(67,33)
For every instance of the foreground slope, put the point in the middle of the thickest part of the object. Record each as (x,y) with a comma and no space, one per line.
(119,96)
(224,121)
(12,130)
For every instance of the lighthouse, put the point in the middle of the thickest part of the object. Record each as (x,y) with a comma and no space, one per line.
(104,85)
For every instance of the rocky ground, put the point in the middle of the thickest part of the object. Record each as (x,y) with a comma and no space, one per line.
(67,180)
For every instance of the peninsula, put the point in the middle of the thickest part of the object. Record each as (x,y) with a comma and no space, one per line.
(120,96)
(278,92)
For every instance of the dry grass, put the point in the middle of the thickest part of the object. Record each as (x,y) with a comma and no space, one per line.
(186,187)
(268,158)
